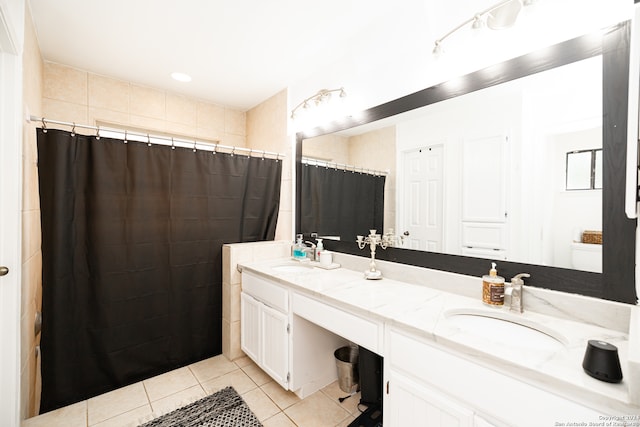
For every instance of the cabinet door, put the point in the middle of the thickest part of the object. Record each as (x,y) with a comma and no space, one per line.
(250,326)
(409,403)
(275,344)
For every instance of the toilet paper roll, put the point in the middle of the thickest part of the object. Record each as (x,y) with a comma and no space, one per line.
(326,258)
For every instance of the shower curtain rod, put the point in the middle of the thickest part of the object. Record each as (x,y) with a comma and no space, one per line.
(326,164)
(187,143)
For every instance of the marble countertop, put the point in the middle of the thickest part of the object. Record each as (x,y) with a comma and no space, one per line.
(430,313)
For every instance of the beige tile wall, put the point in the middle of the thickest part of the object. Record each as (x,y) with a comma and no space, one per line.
(79,96)
(331,148)
(267,130)
(31,254)
(233,254)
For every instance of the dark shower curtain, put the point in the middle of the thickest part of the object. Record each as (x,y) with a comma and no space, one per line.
(341,203)
(132,241)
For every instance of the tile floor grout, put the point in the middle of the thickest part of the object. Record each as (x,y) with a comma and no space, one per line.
(296,412)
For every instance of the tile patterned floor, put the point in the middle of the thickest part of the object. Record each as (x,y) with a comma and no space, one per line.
(143,401)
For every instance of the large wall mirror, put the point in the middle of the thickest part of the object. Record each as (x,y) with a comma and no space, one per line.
(484,168)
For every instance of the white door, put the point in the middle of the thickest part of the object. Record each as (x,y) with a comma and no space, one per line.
(411,404)
(484,188)
(250,326)
(422,204)
(10,210)
(485,227)
(275,344)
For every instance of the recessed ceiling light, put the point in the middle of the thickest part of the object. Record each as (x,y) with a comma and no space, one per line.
(181,77)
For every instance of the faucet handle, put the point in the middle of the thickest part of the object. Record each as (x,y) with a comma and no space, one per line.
(517,279)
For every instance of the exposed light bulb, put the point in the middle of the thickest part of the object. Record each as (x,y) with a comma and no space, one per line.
(437,49)
(477,22)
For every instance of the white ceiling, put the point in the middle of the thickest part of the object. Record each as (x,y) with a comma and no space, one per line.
(239,52)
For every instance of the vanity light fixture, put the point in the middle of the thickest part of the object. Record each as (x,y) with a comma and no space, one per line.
(321,97)
(499,16)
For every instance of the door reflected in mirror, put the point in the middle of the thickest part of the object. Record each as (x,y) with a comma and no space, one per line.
(487,174)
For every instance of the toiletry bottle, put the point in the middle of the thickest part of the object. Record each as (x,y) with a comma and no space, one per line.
(493,287)
(319,248)
(298,248)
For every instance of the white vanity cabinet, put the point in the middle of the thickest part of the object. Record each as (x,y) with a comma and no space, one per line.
(295,352)
(264,326)
(412,403)
(426,382)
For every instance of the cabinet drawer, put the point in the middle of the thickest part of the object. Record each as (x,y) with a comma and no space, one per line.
(266,291)
(349,326)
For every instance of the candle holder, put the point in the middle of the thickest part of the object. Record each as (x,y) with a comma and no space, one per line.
(392,239)
(373,240)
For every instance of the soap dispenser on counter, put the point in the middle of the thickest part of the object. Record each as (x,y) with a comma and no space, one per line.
(493,288)
(299,252)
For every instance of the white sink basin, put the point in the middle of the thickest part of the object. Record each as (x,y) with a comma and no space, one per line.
(506,329)
(288,268)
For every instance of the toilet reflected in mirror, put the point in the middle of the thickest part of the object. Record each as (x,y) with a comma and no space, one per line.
(586,257)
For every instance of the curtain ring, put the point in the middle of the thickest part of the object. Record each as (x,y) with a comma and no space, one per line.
(194,145)
(148,141)
(263,154)
(173,145)
(73,129)
(97,132)
(44,126)
(125,136)
(215,147)
(249,155)
(233,151)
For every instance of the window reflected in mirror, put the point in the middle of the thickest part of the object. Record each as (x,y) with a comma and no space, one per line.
(584,170)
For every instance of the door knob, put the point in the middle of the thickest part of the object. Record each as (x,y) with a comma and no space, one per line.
(4,271)
(406,233)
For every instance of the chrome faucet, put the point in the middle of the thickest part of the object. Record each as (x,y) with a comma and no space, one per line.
(311,251)
(513,293)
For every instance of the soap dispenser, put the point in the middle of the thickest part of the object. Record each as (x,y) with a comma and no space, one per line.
(299,249)
(319,248)
(493,288)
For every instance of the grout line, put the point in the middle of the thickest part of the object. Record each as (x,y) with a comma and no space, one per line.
(117,415)
(146,392)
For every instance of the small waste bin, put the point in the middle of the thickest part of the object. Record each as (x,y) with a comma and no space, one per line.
(347,364)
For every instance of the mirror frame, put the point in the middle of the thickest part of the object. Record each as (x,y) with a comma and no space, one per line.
(617,282)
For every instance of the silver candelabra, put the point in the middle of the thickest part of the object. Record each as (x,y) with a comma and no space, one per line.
(373,240)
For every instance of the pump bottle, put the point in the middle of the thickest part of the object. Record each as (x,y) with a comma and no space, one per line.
(493,288)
